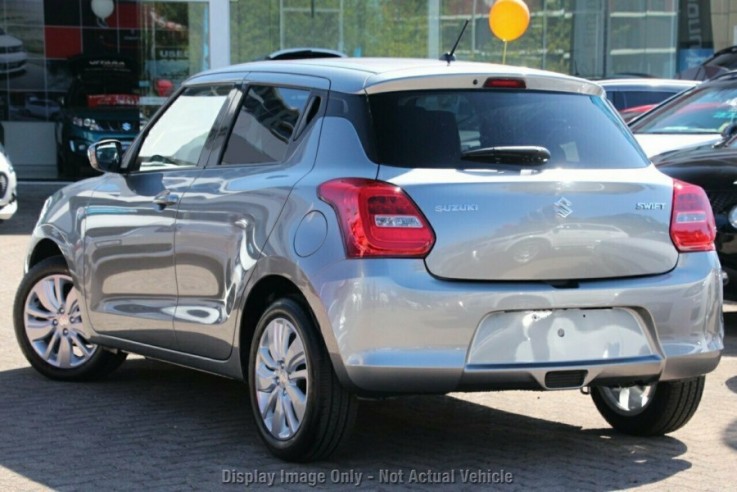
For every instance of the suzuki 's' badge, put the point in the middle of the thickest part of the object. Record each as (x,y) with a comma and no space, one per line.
(563,207)
(127,127)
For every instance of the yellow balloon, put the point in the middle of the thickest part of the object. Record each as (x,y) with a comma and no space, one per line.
(508,19)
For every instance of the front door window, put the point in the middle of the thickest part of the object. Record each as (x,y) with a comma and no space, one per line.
(178,137)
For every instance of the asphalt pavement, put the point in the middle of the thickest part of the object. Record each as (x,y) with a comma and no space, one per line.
(155,426)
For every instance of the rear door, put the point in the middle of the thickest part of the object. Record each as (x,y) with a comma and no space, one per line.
(595,209)
(225,218)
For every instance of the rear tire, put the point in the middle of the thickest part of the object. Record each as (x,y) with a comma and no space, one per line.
(665,407)
(301,410)
(49,328)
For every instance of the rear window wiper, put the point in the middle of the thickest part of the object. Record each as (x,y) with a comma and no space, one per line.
(519,154)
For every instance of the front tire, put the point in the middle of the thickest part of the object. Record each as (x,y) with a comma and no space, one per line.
(651,410)
(301,410)
(49,328)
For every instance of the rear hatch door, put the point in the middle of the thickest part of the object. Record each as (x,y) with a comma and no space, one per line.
(595,209)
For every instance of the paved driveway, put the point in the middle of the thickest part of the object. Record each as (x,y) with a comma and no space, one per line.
(156,426)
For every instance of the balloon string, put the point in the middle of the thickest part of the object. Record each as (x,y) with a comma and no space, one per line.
(504,54)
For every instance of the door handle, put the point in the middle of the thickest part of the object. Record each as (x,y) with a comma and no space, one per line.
(166,198)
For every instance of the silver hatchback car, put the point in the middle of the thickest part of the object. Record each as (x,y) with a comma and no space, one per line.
(329,229)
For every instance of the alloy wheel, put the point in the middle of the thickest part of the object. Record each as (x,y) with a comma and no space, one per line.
(628,400)
(53,323)
(282,379)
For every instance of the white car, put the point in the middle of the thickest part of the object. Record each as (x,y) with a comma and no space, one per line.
(8,183)
(42,108)
(12,55)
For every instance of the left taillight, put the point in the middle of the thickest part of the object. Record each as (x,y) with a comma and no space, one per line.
(377,219)
(692,225)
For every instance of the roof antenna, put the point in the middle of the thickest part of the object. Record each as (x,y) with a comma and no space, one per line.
(450,56)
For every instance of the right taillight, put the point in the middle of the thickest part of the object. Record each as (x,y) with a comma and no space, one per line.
(377,219)
(692,225)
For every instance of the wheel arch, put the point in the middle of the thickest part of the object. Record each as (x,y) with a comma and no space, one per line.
(49,240)
(264,292)
(45,248)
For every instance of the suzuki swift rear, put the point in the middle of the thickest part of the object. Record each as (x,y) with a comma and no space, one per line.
(430,228)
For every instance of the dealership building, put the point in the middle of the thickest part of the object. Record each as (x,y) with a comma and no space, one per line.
(73,71)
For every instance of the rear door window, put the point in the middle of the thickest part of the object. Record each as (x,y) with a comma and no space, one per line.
(434,128)
(265,124)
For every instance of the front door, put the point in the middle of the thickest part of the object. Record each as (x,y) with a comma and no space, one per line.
(130,283)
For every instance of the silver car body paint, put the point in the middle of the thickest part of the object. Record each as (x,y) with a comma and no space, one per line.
(611,301)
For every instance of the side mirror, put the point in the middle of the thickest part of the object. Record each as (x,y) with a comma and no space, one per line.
(106,156)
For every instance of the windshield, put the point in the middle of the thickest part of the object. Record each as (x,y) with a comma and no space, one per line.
(442,128)
(708,109)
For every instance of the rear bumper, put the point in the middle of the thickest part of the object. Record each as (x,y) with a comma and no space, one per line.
(393,328)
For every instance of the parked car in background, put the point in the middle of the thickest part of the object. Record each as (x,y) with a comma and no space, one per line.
(8,184)
(714,168)
(633,97)
(12,55)
(699,115)
(333,228)
(721,62)
(47,109)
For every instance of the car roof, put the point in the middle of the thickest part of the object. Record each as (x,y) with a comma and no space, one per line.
(354,75)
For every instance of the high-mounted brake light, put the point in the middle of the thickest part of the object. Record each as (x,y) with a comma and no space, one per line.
(692,226)
(377,219)
(504,83)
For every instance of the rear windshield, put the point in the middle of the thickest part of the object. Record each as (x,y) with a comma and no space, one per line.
(434,128)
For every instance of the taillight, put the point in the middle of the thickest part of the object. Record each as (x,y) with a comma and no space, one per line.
(377,219)
(692,225)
